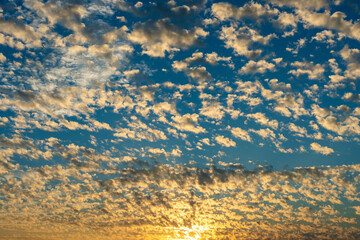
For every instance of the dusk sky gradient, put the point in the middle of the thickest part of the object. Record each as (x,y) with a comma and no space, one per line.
(179,119)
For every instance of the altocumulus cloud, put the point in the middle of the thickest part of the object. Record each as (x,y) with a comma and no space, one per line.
(179,119)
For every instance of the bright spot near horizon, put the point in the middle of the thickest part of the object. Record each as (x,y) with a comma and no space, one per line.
(193,233)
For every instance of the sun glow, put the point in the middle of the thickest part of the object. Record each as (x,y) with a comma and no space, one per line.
(193,233)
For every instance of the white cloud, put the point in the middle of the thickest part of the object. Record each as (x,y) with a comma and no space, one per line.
(68,15)
(308,4)
(257,67)
(336,21)
(20,31)
(326,36)
(352,57)
(334,66)
(240,133)
(187,122)
(351,97)
(348,126)
(263,120)
(292,127)
(76,49)
(287,19)
(356,111)
(241,40)
(138,5)
(223,11)
(176,152)
(2,58)
(313,71)
(212,109)
(276,85)
(140,131)
(156,37)
(321,149)
(214,58)
(198,73)
(11,42)
(224,141)
(131,72)
(162,107)
(264,133)
(357,209)
(249,87)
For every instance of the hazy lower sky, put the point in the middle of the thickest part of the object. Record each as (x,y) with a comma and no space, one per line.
(179,119)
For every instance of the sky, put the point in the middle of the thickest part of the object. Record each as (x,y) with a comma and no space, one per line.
(179,119)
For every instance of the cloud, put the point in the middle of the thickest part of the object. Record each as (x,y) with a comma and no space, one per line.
(357,209)
(199,58)
(213,58)
(351,97)
(313,71)
(186,202)
(352,57)
(176,152)
(77,49)
(69,15)
(287,19)
(264,133)
(224,11)
(187,122)
(61,101)
(164,107)
(321,149)
(293,103)
(302,4)
(242,39)
(334,66)
(249,87)
(240,133)
(263,120)
(212,109)
(157,152)
(85,35)
(336,21)
(224,141)
(21,31)
(105,51)
(349,125)
(2,58)
(300,130)
(167,157)
(176,10)
(156,37)
(16,142)
(11,42)
(325,36)
(275,84)
(199,72)
(139,130)
(131,72)
(257,67)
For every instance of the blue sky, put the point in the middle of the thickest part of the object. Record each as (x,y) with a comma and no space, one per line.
(155,120)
